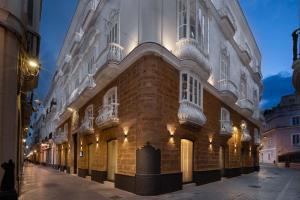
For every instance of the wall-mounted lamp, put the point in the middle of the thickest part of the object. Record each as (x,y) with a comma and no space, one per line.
(71,109)
(24,140)
(171,128)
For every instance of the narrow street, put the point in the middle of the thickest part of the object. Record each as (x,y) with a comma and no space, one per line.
(42,183)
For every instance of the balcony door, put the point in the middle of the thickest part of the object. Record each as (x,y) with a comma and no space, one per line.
(112,155)
(90,158)
(222,159)
(187,160)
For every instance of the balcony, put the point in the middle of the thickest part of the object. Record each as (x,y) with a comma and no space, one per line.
(226,127)
(108,116)
(245,56)
(79,35)
(115,52)
(227,22)
(190,113)
(190,49)
(246,137)
(247,106)
(86,126)
(60,137)
(257,72)
(228,90)
(87,83)
(91,7)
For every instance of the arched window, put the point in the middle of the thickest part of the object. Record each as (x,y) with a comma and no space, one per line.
(225,65)
(191,88)
(89,116)
(110,97)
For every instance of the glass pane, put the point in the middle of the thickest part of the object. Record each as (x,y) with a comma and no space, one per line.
(184,87)
(195,91)
(193,19)
(191,89)
(200,94)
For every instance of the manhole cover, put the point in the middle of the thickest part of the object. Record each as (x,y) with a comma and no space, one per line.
(116,197)
(255,186)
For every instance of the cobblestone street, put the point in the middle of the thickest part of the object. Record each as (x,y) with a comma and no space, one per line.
(41,183)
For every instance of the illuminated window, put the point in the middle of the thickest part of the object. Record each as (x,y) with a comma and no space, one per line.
(191,88)
(193,22)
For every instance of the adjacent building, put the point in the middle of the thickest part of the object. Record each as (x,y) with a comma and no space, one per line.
(281,135)
(154,94)
(19,69)
(281,140)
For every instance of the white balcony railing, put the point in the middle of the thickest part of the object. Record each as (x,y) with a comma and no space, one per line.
(87,126)
(226,127)
(190,49)
(115,52)
(108,115)
(227,86)
(246,104)
(79,35)
(190,113)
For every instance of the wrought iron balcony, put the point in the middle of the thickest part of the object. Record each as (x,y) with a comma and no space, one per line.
(87,83)
(115,52)
(60,137)
(246,137)
(226,127)
(190,113)
(108,115)
(227,22)
(87,126)
(190,49)
(228,90)
(246,105)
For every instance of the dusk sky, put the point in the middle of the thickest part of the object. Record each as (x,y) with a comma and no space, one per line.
(272,23)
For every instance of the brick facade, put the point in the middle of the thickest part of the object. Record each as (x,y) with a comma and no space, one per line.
(148,97)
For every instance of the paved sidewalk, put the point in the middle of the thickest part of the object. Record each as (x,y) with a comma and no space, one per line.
(271,183)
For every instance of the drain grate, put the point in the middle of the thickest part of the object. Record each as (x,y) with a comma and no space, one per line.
(115,197)
(255,186)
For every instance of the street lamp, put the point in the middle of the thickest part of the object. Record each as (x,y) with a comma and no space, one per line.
(33,63)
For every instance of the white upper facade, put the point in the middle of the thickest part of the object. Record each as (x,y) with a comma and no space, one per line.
(212,33)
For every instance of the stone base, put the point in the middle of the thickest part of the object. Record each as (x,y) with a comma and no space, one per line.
(204,177)
(247,170)
(9,195)
(83,172)
(148,185)
(232,172)
(99,176)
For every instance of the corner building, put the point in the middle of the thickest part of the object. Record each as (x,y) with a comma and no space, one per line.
(155,94)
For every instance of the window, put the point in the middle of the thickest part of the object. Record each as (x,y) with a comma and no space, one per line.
(90,65)
(296,121)
(30,12)
(191,88)
(225,114)
(111,97)
(113,36)
(89,116)
(193,22)
(243,87)
(296,139)
(255,97)
(66,129)
(224,72)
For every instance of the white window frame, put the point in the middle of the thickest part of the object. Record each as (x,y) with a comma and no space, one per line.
(89,115)
(114,28)
(224,60)
(199,89)
(224,110)
(292,139)
(202,21)
(243,79)
(109,94)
